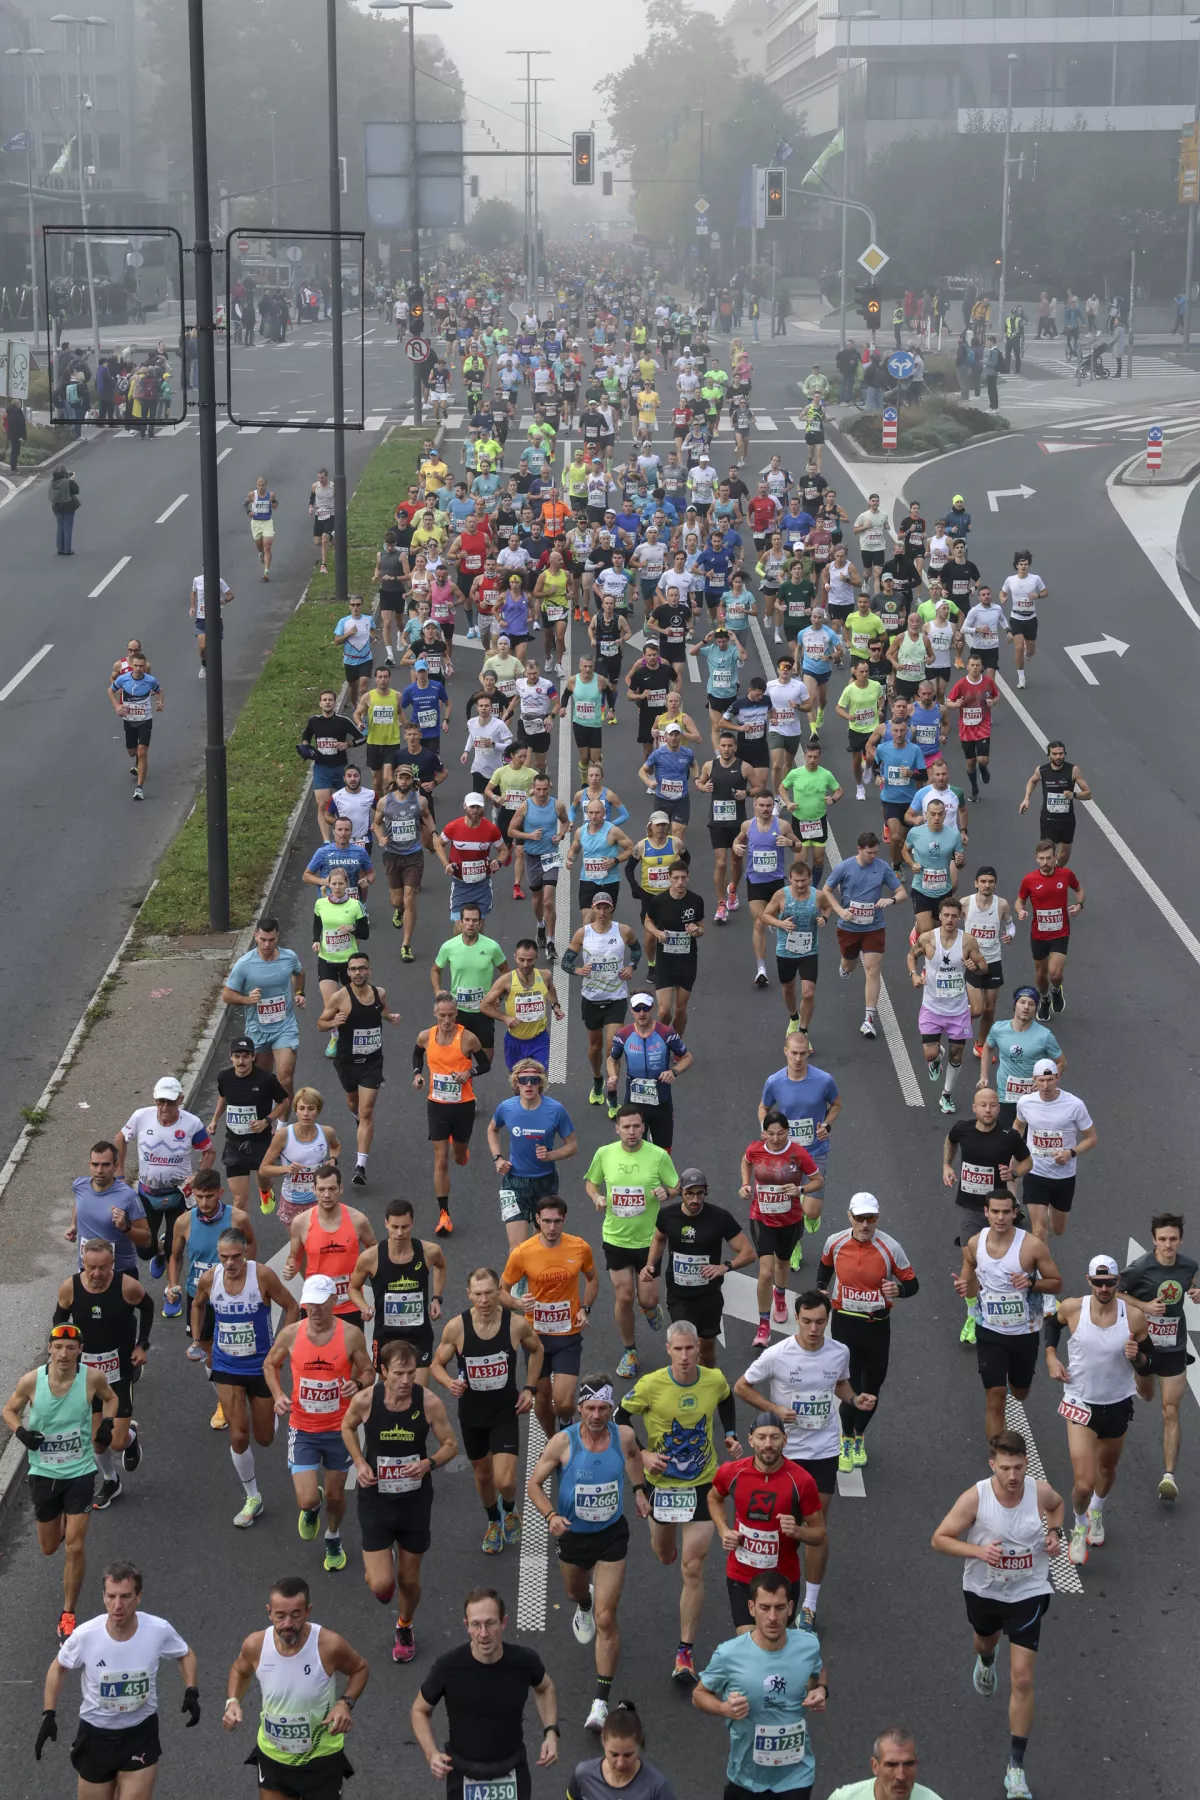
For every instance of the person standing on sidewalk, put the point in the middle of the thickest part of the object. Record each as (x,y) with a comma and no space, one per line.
(17,431)
(64,503)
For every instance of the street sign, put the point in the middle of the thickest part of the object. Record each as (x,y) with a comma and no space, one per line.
(1189,166)
(702,227)
(417,349)
(243,245)
(293,253)
(702,206)
(873,259)
(889,428)
(1154,443)
(901,364)
(17,383)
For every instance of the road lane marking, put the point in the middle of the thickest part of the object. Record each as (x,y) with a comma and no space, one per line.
(1153,517)
(101,585)
(174,507)
(535,1543)
(560,1028)
(1063,1572)
(32,664)
(228,451)
(375,421)
(14,491)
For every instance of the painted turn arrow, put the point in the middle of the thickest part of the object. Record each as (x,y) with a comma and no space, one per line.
(996,495)
(1077,652)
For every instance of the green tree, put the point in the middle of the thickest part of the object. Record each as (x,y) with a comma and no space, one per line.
(494,226)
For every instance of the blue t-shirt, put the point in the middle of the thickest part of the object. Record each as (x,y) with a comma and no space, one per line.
(1018,1052)
(769,1750)
(672,768)
(935,851)
(925,724)
(93,1219)
(354,859)
(858,887)
(528,1127)
(818,645)
(803,1104)
(723,665)
(715,565)
(461,510)
(273,979)
(426,704)
(136,687)
(901,771)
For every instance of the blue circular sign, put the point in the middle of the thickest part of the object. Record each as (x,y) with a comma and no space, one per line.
(901,364)
(889,415)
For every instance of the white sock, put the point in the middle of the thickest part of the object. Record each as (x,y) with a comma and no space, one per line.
(331,1534)
(1096,1503)
(106,1464)
(361,1159)
(812,1590)
(872,1011)
(243,1462)
(761,967)
(953,1071)
(1080,1521)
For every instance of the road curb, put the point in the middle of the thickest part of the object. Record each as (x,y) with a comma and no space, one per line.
(854,454)
(1137,462)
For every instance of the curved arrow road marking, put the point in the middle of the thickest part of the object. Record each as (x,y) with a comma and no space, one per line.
(1077,652)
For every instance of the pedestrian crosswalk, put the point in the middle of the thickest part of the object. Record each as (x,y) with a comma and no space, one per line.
(289,426)
(1177,417)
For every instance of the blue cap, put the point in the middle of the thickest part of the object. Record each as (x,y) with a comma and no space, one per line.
(420,664)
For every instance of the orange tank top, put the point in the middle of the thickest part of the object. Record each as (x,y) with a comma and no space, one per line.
(318,1371)
(333,1253)
(449,1069)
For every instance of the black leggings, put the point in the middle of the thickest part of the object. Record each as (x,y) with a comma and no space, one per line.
(161,1220)
(869,1343)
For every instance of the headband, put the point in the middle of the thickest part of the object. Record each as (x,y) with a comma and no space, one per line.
(603,1394)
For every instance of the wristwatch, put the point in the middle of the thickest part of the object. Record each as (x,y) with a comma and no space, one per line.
(549,1728)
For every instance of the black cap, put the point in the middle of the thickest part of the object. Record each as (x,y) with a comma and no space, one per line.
(244,1045)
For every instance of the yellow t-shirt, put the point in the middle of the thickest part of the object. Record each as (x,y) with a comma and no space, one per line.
(383,717)
(435,474)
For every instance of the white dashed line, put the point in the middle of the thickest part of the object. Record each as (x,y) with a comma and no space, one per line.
(101,585)
(21,673)
(174,507)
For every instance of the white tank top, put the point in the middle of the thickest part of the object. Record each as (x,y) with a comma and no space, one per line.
(606,951)
(841,593)
(1025,1569)
(984,927)
(941,637)
(301,1190)
(910,657)
(1002,1307)
(1099,1373)
(945,981)
(297,1694)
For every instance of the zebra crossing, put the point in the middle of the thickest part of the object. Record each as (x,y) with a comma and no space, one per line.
(1176,417)
(287,426)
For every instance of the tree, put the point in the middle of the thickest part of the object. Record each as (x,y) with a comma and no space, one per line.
(494,226)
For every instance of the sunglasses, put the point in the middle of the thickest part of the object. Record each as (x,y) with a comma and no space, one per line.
(1103,1281)
(67,1331)
(529,1081)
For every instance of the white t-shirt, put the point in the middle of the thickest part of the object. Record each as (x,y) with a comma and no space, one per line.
(874,536)
(804,1380)
(983,625)
(1022,592)
(785,698)
(198,591)
(164,1151)
(119,1677)
(946,795)
(1053,1125)
(486,744)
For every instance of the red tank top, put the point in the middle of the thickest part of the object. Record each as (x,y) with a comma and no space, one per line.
(333,1253)
(472,550)
(317,1375)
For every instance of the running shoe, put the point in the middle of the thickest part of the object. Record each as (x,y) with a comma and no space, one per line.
(218,1422)
(867,1029)
(596,1097)
(551,952)
(720,916)
(977,1050)
(967,1334)
(251,1510)
(359,1177)
(308,1523)
(1077,1549)
(656,1318)
(598,1717)
(946,1103)
(1043,1010)
(158,1267)
(794,1025)
(405,1646)
(731,898)
(511,1529)
(266,1200)
(858,1455)
(846,1456)
(1095,1527)
(1168,1487)
(684,1671)
(335,1555)
(1020,678)
(760,979)
(797,1256)
(518,891)
(628,1365)
(331,1046)
(493,1539)
(445,1225)
(808,1618)
(1015,1785)
(860,793)
(812,1225)
(541,937)
(138,793)
(934,1069)
(66,1625)
(131,1456)
(983,1677)
(109,1491)
(1058,1000)
(762,1335)
(172,1308)
(779,1306)
(583,1624)
(406,953)
(397,918)
(985,774)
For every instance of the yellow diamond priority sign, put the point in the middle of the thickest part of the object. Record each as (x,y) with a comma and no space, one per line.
(873,259)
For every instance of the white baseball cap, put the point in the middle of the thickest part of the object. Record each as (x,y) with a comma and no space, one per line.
(472,799)
(1045,1066)
(168,1087)
(1103,1265)
(317,1290)
(864,1206)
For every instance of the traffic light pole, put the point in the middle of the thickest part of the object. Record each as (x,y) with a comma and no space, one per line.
(414,209)
(341,548)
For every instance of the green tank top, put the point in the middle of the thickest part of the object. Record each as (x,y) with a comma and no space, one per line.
(585,701)
(65,1421)
(338,942)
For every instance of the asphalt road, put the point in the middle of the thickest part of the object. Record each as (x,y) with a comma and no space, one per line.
(1117,1673)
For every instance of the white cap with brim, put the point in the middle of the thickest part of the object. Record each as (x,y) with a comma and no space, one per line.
(168,1087)
(472,800)
(317,1290)
(1102,1265)
(642,1000)
(864,1206)
(1045,1066)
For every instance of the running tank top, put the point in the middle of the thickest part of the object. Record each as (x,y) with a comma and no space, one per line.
(391,568)
(591,1488)
(449,1069)
(910,657)
(654,866)
(527,1009)
(545,820)
(334,1253)
(983,924)
(202,1242)
(1099,1373)
(318,1371)
(764,858)
(260,505)
(585,701)
(401,1291)
(598,858)
(841,591)
(65,1421)
(1024,1569)
(297,1695)
(1002,1307)
(361,1037)
(108,1326)
(1058,791)
(945,979)
(243,1334)
(723,807)
(554,594)
(941,637)
(489,1368)
(300,1190)
(796,936)
(605,951)
(402,822)
(394,1439)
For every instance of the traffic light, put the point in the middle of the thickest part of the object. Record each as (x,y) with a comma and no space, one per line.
(474,187)
(874,306)
(606,179)
(583,158)
(776,194)
(416,310)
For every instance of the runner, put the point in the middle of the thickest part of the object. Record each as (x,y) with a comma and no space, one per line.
(328,1239)
(728,779)
(868,1272)
(453,1054)
(467,964)
(1160,1280)
(61,1436)
(528,1172)
(809,791)
(303,1723)
(807,1097)
(231,1310)
(933,851)
(1062,784)
(486,1341)
(261,506)
(855,889)
(673,923)
(133,694)
(610,953)
(356,1014)
(403,826)
(622,1766)
(408,1278)
(627,1181)
(973,697)
(775,1507)
(1059,1130)
(166,1135)
(783,1184)
(993,1158)
(759,847)
(194,1248)
(522,999)
(117,1746)
(270,981)
(1047,888)
(102,1304)
(297,1151)
(1023,590)
(395,1466)
(196,614)
(989,920)
(894,1765)
(679,1463)
(540,822)
(1005,1531)
(254,1103)
(945,1011)
(466,849)
(1007,1270)
(329,1362)
(689,1236)
(1110,1362)
(549,1268)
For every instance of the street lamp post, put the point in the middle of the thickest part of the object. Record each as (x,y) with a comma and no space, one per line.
(79,23)
(1012,58)
(274,179)
(341,549)
(530,157)
(1190,266)
(33,280)
(846,19)
(538,81)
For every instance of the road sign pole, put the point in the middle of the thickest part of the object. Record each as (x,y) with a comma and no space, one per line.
(889,429)
(341,548)
(1154,446)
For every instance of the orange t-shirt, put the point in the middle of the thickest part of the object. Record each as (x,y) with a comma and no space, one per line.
(552,1304)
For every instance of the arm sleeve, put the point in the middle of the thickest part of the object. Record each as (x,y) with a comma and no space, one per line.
(146,1316)
(727,1412)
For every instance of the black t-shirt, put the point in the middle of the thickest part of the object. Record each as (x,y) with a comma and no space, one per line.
(983,1153)
(673,623)
(912,531)
(670,914)
(704,1234)
(737,489)
(425,765)
(958,578)
(259,1089)
(903,576)
(329,738)
(485,1701)
(651,686)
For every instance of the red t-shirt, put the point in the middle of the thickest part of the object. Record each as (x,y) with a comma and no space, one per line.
(975,718)
(773,1170)
(763,512)
(468,848)
(473,547)
(759,1500)
(1049,897)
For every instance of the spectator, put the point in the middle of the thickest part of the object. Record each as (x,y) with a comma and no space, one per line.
(991,367)
(873,383)
(1044,326)
(963,362)
(846,363)
(64,503)
(1180,310)
(1118,345)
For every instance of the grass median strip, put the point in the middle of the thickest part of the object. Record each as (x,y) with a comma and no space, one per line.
(264,773)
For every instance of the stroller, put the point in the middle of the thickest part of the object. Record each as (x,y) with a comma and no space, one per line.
(1091,363)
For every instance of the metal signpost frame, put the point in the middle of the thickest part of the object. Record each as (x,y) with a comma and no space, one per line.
(333,239)
(100,234)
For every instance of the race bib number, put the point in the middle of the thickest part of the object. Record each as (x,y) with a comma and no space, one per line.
(1058,803)
(391,1479)
(972,717)
(627,1202)
(764,862)
(551,861)
(123,1692)
(427,718)
(1075,1412)
(289,1733)
(673,1506)
(1016,1085)
(1045,1143)
(595,868)
(596,1502)
(803,1131)
(474,869)
(272,1010)
(135,710)
(812,1408)
(686,1267)
(948,984)
(530,1009)
(510,1206)
(236,1337)
(340,938)
(862,912)
(772,1201)
(1049,921)
(404,1311)
(382,715)
(658,879)
(862,1300)
(778,1745)
(1014,1565)
(240,1118)
(108,1362)
(366,1040)
(403,833)
(487,1374)
(447,1089)
(643,1091)
(503,1788)
(676,943)
(1163,1333)
(935,881)
(757,1549)
(977,1178)
(810,830)
(319,1396)
(65,1447)
(1000,1309)
(724,812)
(799,943)
(553,1317)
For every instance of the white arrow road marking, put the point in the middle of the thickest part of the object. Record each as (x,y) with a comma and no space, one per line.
(1153,516)
(1053,448)
(1077,653)
(996,495)
(1191,1319)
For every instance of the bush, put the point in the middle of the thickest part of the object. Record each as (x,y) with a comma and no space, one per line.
(924,430)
